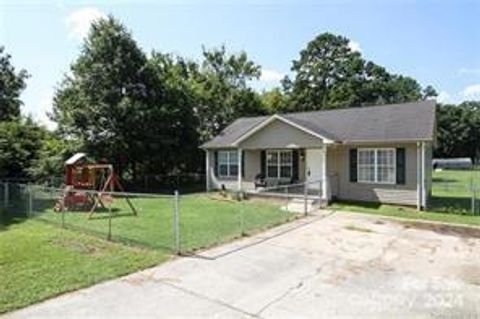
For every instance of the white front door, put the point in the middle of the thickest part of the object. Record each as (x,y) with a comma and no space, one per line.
(314,167)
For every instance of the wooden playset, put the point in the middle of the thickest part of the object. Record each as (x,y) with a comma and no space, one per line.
(88,186)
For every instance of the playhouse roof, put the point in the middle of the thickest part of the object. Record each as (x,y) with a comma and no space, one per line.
(75,158)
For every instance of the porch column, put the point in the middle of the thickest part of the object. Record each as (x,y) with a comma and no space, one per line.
(240,169)
(325,190)
(207,169)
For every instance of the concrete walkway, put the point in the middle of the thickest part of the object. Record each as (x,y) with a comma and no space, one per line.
(324,266)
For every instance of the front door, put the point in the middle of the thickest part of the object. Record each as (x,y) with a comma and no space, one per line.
(314,167)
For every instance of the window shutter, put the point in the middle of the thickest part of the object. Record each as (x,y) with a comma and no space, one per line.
(215,168)
(243,163)
(401,166)
(263,162)
(295,165)
(353,165)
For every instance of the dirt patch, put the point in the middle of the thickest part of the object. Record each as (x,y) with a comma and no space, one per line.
(452,230)
(471,274)
(360,229)
(79,247)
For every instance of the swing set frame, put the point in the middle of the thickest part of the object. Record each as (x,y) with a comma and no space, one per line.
(89,185)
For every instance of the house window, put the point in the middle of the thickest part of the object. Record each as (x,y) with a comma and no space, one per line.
(279,164)
(376,165)
(227,163)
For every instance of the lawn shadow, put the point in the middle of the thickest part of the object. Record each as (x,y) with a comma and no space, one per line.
(105,215)
(444,180)
(457,205)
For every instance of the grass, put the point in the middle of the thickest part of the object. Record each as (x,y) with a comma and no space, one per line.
(205,220)
(450,202)
(39,261)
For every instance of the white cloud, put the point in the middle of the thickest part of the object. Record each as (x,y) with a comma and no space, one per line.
(78,22)
(444,97)
(471,92)
(45,106)
(469,71)
(271,76)
(354,46)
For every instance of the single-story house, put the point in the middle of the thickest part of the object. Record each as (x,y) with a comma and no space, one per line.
(378,154)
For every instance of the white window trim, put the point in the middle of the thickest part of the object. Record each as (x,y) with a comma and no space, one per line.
(279,163)
(228,163)
(376,165)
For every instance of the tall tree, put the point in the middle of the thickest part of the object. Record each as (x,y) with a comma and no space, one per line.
(101,102)
(221,83)
(12,84)
(329,74)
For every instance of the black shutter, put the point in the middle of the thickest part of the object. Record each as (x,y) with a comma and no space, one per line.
(353,165)
(263,162)
(243,163)
(215,168)
(295,165)
(401,166)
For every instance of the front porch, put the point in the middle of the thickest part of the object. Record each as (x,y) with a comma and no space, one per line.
(270,172)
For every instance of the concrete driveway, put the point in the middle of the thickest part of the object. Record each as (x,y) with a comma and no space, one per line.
(335,265)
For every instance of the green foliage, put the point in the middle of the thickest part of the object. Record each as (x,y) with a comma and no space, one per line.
(223,94)
(101,103)
(458,130)
(49,162)
(274,101)
(20,145)
(329,74)
(12,84)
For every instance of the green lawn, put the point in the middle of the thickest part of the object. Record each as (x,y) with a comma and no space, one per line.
(205,220)
(450,202)
(39,261)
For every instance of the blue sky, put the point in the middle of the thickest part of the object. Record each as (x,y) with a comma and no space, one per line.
(437,42)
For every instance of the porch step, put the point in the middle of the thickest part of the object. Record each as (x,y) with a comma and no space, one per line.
(297,205)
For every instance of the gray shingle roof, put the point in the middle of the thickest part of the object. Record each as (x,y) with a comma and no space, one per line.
(394,122)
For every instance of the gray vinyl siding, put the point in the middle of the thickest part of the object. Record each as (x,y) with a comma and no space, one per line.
(251,169)
(278,134)
(343,189)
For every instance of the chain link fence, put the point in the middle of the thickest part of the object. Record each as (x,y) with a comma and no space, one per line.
(180,223)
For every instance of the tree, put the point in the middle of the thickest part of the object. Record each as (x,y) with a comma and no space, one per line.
(12,83)
(221,85)
(329,74)
(134,111)
(274,101)
(458,130)
(20,143)
(101,104)
(50,158)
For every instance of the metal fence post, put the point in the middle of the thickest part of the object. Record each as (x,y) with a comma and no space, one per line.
(176,224)
(109,236)
(286,199)
(30,201)
(473,199)
(5,194)
(305,199)
(242,219)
